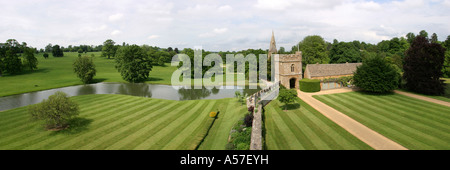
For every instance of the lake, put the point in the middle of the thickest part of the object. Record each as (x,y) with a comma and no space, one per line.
(134,89)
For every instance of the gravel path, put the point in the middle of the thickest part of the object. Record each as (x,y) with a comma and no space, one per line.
(365,134)
(423,98)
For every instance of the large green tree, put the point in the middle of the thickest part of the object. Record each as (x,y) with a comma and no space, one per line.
(133,64)
(313,49)
(287,96)
(9,58)
(84,67)
(376,75)
(423,67)
(30,60)
(56,111)
(57,51)
(109,49)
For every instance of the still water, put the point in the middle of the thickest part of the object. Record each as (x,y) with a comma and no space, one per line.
(134,89)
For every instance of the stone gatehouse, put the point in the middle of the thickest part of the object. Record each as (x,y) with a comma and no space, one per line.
(289,66)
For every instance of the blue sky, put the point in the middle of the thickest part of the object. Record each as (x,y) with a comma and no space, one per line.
(217,25)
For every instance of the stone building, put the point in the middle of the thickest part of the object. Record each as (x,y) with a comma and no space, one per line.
(330,71)
(289,66)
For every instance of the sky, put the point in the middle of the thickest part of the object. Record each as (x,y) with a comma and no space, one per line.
(217,25)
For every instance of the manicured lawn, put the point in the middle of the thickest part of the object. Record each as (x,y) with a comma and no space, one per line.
(413,123)
(303,128)
(230,113)
(120,122)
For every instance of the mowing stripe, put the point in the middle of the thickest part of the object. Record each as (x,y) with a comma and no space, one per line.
(43,140)
(188,128)
(128,135)
(286,131)
(157,140)
(300,134)
(410,127)
(104,124)
(412,116)
(373,120)
(120,132)
(193,141)
(155,125)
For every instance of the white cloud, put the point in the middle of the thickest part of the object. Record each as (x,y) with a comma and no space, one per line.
(153,36)
(116,32)
(220,30)
(115,17)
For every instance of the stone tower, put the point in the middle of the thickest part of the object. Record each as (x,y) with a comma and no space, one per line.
(289,66)
(273,46)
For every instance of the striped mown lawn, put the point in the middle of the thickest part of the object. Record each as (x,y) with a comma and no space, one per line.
(302,127)
(117,122)
(411,122)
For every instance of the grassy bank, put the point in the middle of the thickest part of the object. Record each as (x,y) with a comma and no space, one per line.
(301,127)
(413,123)
(122,122)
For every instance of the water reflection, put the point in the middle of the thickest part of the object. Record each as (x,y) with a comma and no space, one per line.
(134,89)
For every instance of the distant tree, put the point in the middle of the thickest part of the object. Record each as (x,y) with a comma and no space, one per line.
(176,50)
(423,67)
(287,96)
(424,34)
(80,51)
(56,111)
(133,64)
(313,48)
(30,60)
(48,48)
(84,67)
(410,37)
(109,49)
(343,52)
(9,60)
(434,38)
(57,52)
(170,49)
(282,50)
(45,55)
(376,75)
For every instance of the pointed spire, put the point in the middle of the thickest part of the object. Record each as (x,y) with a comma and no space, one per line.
(273,47)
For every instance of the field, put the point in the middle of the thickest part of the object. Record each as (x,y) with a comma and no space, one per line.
(57,72)
(122,122)
(303,128)
(413,123)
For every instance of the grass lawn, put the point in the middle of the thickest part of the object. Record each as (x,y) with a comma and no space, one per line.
(57,72)
(120,122)
(301,127)
(218,135)
(413,123)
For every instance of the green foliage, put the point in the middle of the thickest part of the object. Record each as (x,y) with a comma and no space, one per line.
(133,64)
(423,67)
(376,75)
(313,48)
(57,52)
(30,60)
(343,52)
(109,49)
(287,96)
(309,85)
(9,60)
(84,67)
(56,111)
(45,55)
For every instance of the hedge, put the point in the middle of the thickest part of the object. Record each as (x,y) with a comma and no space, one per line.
(309,85)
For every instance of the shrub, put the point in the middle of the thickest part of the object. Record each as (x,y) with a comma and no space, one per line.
(287,96)
(212,114)
(243,146)
(376,75)
(251,109)
(45,55)
(309,85)
(248,120)
(56,111)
